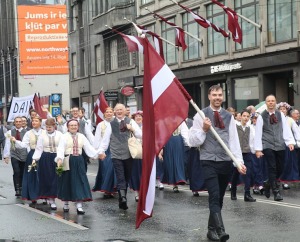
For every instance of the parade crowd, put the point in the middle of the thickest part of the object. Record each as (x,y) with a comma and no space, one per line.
(50,157)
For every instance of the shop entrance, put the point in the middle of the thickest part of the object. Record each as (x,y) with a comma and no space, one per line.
(281,85)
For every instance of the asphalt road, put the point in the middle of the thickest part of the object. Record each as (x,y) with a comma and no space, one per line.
(176,217)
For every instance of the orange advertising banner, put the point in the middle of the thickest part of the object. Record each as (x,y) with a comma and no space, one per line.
(43,39)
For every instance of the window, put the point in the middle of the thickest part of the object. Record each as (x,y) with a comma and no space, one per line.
(168,33)
(114,54)
(246,92)
(191,26)
(146,1)
(282,20)
(97,59)
(74,65)
(217,44)
(86,103)
(251,34)
(83,64)
(74,17)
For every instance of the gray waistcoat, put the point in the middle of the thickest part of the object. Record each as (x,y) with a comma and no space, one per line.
(272,134)
(211,149)
(19,154)
(244,138)
(119,141)
(81,126)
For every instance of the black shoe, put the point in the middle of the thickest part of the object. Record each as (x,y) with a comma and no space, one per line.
(233,195)
(122,200)
(212,233)
(196,194)
(285,186)
(108,195)
(80,212)
(136,198)
(277,196)
(66,210)
(175,189)
(18,193)
(218,221)
(248,198)
(267,189)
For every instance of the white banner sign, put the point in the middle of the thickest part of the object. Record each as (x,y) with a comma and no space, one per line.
(20,107)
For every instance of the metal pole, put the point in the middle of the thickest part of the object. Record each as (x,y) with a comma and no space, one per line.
(10,76)
(250,21)
(5,92)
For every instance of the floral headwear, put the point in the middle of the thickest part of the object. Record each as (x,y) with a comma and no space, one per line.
(283,104)
(138,112)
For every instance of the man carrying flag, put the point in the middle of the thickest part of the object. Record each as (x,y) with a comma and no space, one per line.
(216,162)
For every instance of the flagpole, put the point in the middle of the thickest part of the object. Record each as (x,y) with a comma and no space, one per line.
(259,26)
(194,37)
(138,31)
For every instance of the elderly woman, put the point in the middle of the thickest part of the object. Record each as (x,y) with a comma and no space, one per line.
(30,184)
(105,179)
(45,153)
(136,171)
(73,184)
(290,166)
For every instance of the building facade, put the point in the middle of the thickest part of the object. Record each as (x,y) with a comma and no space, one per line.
(99,58)
(267,61)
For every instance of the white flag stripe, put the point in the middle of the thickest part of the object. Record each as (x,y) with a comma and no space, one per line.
(100,114)
(156,44)
(161,81)
(151,191)
(135,40)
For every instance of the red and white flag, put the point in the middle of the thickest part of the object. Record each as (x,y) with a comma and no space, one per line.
(233,22)
(165,107)
(37,105)
(100,107)
(133,43)
(179,41)
(203,22)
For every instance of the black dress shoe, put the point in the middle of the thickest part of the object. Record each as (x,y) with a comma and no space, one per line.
(277,196)
(248,198)
(233,195)
(123,203)
(80,212)
(267,189)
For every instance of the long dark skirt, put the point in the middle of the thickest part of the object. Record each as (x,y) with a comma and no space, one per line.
(136,174)
(173,163)
(290,166)
(47,176)
(106,178)
(73,185)
(30,183)
(195,171)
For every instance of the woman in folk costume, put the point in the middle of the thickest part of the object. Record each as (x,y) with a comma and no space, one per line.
(173,158)
(105,179)
(73,185)
(290,170)
(45,153)
(136,171)
(30,184)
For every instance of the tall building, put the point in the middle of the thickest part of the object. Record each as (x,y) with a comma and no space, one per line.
(33,51)
(99,58)
(267,61)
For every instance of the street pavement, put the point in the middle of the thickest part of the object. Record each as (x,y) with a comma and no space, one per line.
(176,217)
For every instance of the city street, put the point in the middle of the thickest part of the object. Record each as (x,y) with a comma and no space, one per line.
(176,217)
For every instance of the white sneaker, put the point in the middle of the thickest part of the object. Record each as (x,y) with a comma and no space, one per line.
(161,186)
(53,206)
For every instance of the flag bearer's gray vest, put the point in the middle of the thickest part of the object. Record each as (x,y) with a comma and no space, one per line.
(19,154)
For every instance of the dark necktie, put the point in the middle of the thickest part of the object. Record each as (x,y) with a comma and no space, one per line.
(123,126)
(18,136)
(273,119)
(218,120)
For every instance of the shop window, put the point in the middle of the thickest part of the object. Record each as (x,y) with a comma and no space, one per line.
(168,32)
(282,20)
(246,92)
(191,26)
(216,42)
(251,34)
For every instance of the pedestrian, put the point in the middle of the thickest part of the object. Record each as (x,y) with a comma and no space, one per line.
(73,184)
(44,155)
(105,179)
(174,157)
(272,135)
(216,163)
(16,155)
(30,185)
(119,131)
(290,172)
(24,123)
(246,138)
(136,171)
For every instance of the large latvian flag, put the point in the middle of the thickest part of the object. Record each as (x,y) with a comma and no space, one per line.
(100,107)
(165,107)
